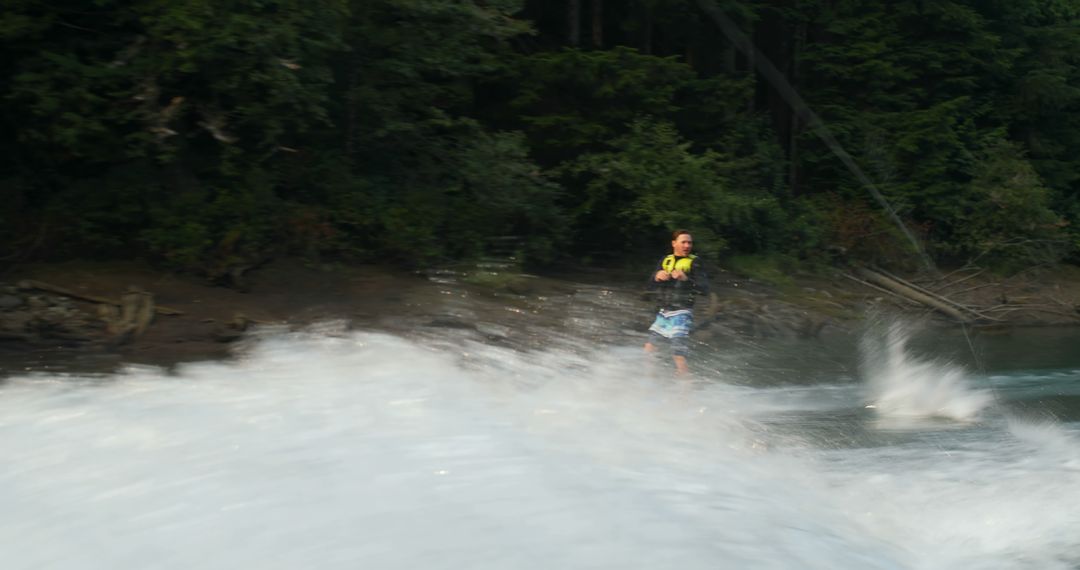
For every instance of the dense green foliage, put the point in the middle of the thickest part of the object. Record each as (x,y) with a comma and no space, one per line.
(208,136)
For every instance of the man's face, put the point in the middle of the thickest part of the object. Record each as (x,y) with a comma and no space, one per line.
(682,245)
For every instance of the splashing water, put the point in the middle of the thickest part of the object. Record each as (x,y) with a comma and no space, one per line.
(903,386)
(346,450)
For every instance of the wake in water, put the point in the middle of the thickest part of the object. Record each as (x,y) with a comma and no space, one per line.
(339,449)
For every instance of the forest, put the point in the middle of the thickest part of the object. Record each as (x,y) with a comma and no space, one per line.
(205,135)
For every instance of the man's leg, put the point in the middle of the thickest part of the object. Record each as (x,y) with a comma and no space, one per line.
(681,366)
(652,348)
(680,349)
(650,343)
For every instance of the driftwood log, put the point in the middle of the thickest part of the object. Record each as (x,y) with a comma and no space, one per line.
(29,284)
(921,296)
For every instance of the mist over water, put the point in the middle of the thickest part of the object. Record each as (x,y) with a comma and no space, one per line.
(339,449)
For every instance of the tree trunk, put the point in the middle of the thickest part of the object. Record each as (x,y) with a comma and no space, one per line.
(573,22)
(793,137)
(646,28)
(351,118)
(598,24)
(751,70)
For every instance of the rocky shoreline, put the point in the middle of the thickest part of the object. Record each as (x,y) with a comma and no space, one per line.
(28,317)
(141,315)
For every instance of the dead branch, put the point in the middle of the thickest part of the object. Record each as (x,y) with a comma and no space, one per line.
(50,288)
(929,298)
(966,267)
(961,280)
(1032,307)
(1049,310)
(881,289)
(915,293)
(975,288)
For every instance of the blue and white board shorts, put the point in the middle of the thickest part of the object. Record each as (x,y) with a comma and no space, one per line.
(674,326)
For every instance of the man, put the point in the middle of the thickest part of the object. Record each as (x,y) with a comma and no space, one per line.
(676,282)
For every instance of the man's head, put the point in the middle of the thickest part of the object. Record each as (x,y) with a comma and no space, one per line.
(681,242)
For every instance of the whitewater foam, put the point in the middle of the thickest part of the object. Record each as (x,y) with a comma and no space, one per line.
(334,449)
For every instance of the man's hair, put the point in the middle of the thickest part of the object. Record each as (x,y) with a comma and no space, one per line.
(675,234)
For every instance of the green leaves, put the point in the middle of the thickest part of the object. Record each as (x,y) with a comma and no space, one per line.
(481,186)
(572,100)
(210,92)
(650,181)
(202,133)
(925,82)
(1007,216)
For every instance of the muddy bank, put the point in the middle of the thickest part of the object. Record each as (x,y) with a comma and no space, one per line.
(126,312)
(200,319)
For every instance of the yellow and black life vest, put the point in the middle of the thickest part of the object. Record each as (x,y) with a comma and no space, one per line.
(682,264)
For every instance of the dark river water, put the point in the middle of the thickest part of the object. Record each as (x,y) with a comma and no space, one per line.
(408,441)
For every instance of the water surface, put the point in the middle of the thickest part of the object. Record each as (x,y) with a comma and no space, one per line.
(340,448)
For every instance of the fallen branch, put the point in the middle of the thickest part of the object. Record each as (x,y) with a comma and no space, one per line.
(966,267)
(50,288)
(1039,308)
(1003,309)
(973,288)
(1055,312)
(961,280)
(914,293)
(882,275)
(1063,303)
(876,288)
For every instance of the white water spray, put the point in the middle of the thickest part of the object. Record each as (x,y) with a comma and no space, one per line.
(904,386)
(346,450)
